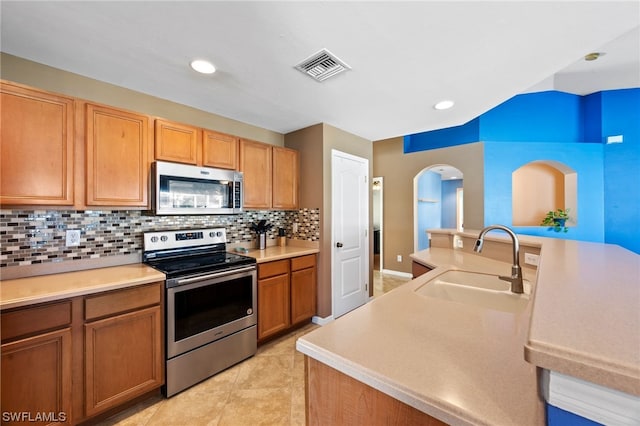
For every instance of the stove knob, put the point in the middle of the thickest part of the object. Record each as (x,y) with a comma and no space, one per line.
(154,239)
(218,234)
(164,238)
(212,234)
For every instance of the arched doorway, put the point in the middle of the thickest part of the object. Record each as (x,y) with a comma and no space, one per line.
(438,200)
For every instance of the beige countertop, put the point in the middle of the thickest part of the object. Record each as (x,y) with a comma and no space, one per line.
(586,316)
(459,363)
(468,365)
(45,288)
(272,253)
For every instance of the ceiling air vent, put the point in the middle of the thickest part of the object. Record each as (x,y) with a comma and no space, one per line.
(322,65)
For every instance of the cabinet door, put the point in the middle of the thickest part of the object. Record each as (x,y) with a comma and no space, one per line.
(36,147)
(117,157)
(303,294)
(176,142)
(285,178)
(123,356)
(255,163)
(273,305)
(219,150)
(36,377)
(418,269)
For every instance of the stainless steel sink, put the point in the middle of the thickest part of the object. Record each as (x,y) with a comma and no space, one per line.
(478,289)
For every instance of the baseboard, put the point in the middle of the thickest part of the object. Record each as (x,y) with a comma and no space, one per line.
(322,321)
(397,273)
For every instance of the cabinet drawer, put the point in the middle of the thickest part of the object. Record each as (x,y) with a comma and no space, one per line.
(270,269)
(118,301)
(303,262)
(35,319)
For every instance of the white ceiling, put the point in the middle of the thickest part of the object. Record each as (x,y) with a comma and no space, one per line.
(405,56)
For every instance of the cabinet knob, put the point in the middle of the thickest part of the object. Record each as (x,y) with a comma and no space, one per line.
(338,245)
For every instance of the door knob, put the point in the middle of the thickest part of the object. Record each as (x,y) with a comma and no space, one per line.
(338,245)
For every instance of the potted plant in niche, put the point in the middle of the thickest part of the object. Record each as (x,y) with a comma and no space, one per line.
(556,220)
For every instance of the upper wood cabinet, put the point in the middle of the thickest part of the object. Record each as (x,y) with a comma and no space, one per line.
(270,175)
(255,163)
(219,150)
(117,168)
(176,142)
(36,147)
(285,178)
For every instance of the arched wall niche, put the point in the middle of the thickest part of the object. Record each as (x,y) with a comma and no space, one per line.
(540,186)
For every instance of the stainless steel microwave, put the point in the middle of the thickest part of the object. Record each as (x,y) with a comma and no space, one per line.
(183,189)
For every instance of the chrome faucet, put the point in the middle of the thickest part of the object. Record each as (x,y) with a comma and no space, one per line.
(516,272)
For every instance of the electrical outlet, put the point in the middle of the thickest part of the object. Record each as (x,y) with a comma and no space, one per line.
(457,241)
(73,237)
(294,227)
(531,259)
(399,258)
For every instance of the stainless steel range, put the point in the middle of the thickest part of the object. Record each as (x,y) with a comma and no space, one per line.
(211,299)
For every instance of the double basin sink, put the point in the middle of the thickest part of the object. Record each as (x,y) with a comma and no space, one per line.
(478,289)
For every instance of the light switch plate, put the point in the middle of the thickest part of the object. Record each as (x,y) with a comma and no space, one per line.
(73,237)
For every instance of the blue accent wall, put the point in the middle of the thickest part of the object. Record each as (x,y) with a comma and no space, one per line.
(535,117)
(429,214)
(501,159)
(559,417)
(570,129)
(449,190)
(451,136)
(621,116)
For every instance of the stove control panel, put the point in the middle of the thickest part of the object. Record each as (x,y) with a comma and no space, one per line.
(163,240)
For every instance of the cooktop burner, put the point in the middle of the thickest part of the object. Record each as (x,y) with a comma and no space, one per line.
(182,253)
(203,263)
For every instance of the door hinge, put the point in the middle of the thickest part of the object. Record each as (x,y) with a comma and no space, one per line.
(366,232)
(366,286)
(366,179)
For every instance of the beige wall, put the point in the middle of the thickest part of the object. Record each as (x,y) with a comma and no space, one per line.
(399,170)
(308,143)
(314,145)
(55,80)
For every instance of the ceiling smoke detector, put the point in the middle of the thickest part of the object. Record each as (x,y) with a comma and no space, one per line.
(322,65)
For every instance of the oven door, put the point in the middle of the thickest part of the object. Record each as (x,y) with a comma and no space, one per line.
(206,308)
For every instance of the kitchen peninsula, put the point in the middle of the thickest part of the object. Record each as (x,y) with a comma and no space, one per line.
(462,364)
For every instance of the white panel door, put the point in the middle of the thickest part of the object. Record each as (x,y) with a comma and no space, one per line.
(350,225)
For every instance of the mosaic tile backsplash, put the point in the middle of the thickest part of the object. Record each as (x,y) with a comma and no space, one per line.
(39,236)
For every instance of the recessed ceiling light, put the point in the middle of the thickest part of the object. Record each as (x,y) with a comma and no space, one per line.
(592,56)
(202,66)
(443,105)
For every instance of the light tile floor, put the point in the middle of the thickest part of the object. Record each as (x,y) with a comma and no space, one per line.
(267,389)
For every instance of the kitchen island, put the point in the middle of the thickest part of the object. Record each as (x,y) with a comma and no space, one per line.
(463,364)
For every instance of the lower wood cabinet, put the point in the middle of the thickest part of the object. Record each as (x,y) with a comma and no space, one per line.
(36,378)
(71,360)
(286,294)
(273,298)
(333,398)
(418,269)
(303,288)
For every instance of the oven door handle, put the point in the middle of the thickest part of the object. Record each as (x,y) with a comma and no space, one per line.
(214,275)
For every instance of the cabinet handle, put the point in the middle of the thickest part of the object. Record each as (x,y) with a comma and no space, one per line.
(338,245)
